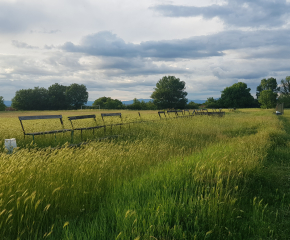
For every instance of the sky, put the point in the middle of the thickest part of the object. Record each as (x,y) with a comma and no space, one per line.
(122,48)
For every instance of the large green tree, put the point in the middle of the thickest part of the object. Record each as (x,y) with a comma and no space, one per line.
(212,103)
(76,95)
(238,95)
(2,105)
(267,84)
(57,97)
(169,93)
(284,93)
(108,103)
(267,99)
(285,86)
(31,99)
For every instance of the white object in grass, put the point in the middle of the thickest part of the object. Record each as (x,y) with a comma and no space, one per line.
(10,144)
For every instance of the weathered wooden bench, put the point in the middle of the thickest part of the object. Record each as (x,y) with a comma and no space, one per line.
(175,111)
(162,112)
(187,110)
(112,115)
(22,118)
(72,118)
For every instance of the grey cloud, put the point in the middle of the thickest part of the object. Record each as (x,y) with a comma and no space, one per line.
(49,47)
(109,45)
(45,31)
(22,45)
(103,44)
(18,16)
(241,13)
(114,66)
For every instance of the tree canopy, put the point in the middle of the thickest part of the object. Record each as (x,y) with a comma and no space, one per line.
(212,103)
(285,86)
(108,103)
(169,93)
(77,95)
(267,84)
(238,95)
(267,99)
(56,97)
(2,105)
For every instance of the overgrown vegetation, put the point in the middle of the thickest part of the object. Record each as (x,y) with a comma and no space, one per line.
(192,178)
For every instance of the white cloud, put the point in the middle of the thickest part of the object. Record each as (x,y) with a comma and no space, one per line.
(122,48)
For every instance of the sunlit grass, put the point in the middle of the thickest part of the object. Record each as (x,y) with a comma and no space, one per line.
(186,178)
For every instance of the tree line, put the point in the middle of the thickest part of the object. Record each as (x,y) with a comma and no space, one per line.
(168,93)
(56,97)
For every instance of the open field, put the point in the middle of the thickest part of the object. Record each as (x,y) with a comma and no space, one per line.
(188,178)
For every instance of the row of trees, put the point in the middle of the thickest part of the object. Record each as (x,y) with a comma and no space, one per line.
(169,93)
(268,93)
(56,97)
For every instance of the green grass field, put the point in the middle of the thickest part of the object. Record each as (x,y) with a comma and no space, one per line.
(187,178)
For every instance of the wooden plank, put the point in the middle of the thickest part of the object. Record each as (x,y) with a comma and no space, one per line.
(81,117)
(39,117)
(49,132)
(171,111)
(88,128)
(161,112)
(110,114)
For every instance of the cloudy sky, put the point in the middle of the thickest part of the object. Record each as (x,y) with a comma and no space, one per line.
(121,48)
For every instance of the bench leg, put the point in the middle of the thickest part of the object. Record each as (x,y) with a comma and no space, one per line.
(72,136)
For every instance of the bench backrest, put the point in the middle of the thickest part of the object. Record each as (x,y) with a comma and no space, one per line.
(175,111)
(22,118)
(111,115)
(39,117)
(161,112)
(81,117)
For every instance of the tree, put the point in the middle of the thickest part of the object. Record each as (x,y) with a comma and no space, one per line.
(57,97)
(285,92)
(285,86)
(267,99)
(267,84)
(76,95)
(192,105)
(108,103)
(2,105)
(238,95)
(169,93)
(31,99)
(212,103)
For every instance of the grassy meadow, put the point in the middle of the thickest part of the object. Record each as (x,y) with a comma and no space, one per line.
(185,178)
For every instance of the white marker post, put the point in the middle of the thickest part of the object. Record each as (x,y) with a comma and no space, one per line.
(10,144)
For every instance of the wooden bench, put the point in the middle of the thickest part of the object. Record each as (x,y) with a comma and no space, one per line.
(71,118)
(175,111)
(162,112)
(22,118)
(203,111)
(112,115)
(187,110)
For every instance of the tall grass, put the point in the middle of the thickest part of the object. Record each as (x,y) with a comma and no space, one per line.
(179,179)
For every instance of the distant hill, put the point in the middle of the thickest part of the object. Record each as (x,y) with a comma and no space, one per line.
(147,100)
